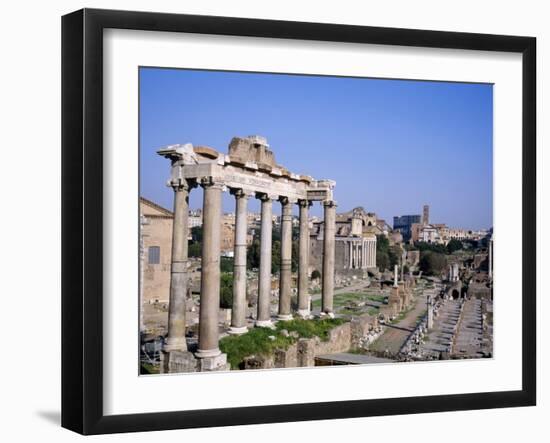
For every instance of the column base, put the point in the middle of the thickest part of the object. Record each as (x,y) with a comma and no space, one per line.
(326,315)
(217,363)
(284,317)
(237,331)
(207,353)
(304,313)
(264,324)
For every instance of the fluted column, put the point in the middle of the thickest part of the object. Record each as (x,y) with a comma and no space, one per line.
(303,260)
(285,273)
(178,274)
(263,318)
(238,311)
(328,257)
(210,270)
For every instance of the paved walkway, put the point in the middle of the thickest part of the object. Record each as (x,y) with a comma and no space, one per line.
(347,358)
(396,334)
(470,331)
(440,337)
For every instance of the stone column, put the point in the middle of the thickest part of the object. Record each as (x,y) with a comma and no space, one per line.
(371,254)
(263,318)
(350,255)
(430,322)
(238,311)
(303,260)
(178,274)
(364,246)
(328,257)
(210,274)
(285,273)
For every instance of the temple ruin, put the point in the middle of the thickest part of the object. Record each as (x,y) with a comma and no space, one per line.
(248,170)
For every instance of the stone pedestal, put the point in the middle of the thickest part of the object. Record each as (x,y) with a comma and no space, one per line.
(177,361)
(216,363)
(395,301)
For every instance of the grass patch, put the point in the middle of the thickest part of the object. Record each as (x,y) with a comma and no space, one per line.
(257,342)
(346,297)
(147,368)
(376,298)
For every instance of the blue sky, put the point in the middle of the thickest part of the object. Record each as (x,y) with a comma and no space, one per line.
(390,145)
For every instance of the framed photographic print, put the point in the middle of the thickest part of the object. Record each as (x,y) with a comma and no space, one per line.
(269,221)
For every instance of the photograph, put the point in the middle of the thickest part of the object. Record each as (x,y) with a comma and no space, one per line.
(299,220)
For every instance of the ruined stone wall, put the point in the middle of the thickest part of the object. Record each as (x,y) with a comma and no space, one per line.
(339,340)
(360,327)
(302,354)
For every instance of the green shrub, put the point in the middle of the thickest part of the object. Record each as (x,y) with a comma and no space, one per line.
(257,342)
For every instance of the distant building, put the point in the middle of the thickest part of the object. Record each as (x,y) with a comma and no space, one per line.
(426,214)
(156,237)
(403,224)
(195,218)
(355,247)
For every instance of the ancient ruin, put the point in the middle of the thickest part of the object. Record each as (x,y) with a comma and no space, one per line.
(248,170)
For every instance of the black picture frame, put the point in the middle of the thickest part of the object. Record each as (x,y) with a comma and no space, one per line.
(82,218)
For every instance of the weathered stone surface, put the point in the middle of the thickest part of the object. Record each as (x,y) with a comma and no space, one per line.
(339,340)
(177,361)
(306,352)
(286,358)
(360,327)
(259,362)
(217,363)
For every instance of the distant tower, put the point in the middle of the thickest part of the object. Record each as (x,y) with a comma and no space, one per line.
(426,215)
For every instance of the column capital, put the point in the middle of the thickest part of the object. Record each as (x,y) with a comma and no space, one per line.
(305,203)
(287,200)
(182,184)
(211,182)
(265,197)
(240,193)
(330,203)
